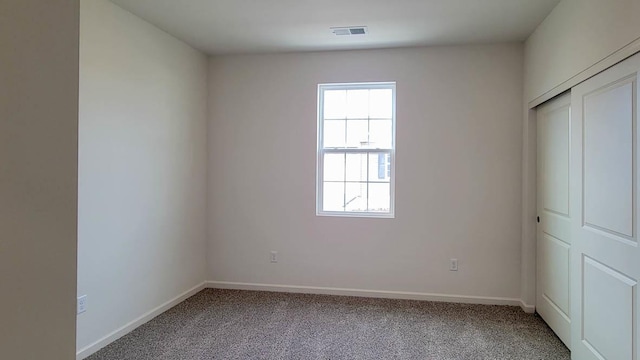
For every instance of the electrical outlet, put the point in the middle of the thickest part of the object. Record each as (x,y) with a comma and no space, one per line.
(274,256)
(453,265)
(82,304)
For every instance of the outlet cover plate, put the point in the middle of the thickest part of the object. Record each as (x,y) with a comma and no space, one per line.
(453,265)
(82,304)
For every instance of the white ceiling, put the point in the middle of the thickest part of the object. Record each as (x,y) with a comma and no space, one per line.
(251,26)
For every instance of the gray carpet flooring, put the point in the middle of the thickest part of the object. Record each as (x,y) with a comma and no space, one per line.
(230,324)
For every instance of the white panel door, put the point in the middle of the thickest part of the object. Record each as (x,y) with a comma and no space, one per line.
(554,216)
(605,258)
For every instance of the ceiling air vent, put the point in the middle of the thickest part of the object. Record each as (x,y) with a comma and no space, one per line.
(349,30)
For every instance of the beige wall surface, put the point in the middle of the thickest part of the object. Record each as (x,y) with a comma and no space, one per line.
(576,35)
(38,178)
(458,173)
(142,160)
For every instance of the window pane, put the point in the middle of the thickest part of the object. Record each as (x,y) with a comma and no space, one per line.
(357,122)
(356,167)
(380,134)
(333,167)
(335,104)
(380,103)
(356,197)
(333,196)
(357,104)
(357,134)
(379,164)
(334,134)
(379,197)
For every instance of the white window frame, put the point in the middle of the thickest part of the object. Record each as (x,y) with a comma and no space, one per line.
(321,151)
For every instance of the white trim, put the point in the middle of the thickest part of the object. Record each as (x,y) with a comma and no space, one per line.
(118,333)
(530,309)
(403,295)
(528,256)
(321,150)
(615,57)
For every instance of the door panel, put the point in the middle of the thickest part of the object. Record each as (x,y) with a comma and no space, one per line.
(555,154)
(608,310)
(608,135)
(556,273)
(605,258)
(554,228)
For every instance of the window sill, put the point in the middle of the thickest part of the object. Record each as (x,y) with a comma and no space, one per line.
(356,214)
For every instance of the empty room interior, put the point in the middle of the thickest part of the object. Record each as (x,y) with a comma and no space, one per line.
(284,179)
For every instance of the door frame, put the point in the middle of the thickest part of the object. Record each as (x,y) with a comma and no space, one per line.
(552,310)
(528,240)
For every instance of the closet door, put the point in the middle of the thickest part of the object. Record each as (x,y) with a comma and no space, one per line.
(554,216)
(605,258)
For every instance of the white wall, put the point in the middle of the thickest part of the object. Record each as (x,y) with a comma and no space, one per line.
(578,39)
(458,187)
(142,177)
(576,35)
(38,178)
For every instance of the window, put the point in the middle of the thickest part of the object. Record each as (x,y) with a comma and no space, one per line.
(356,149)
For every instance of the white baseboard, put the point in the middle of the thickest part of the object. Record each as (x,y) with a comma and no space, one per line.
(118,333)
(465,299)
(530,309)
